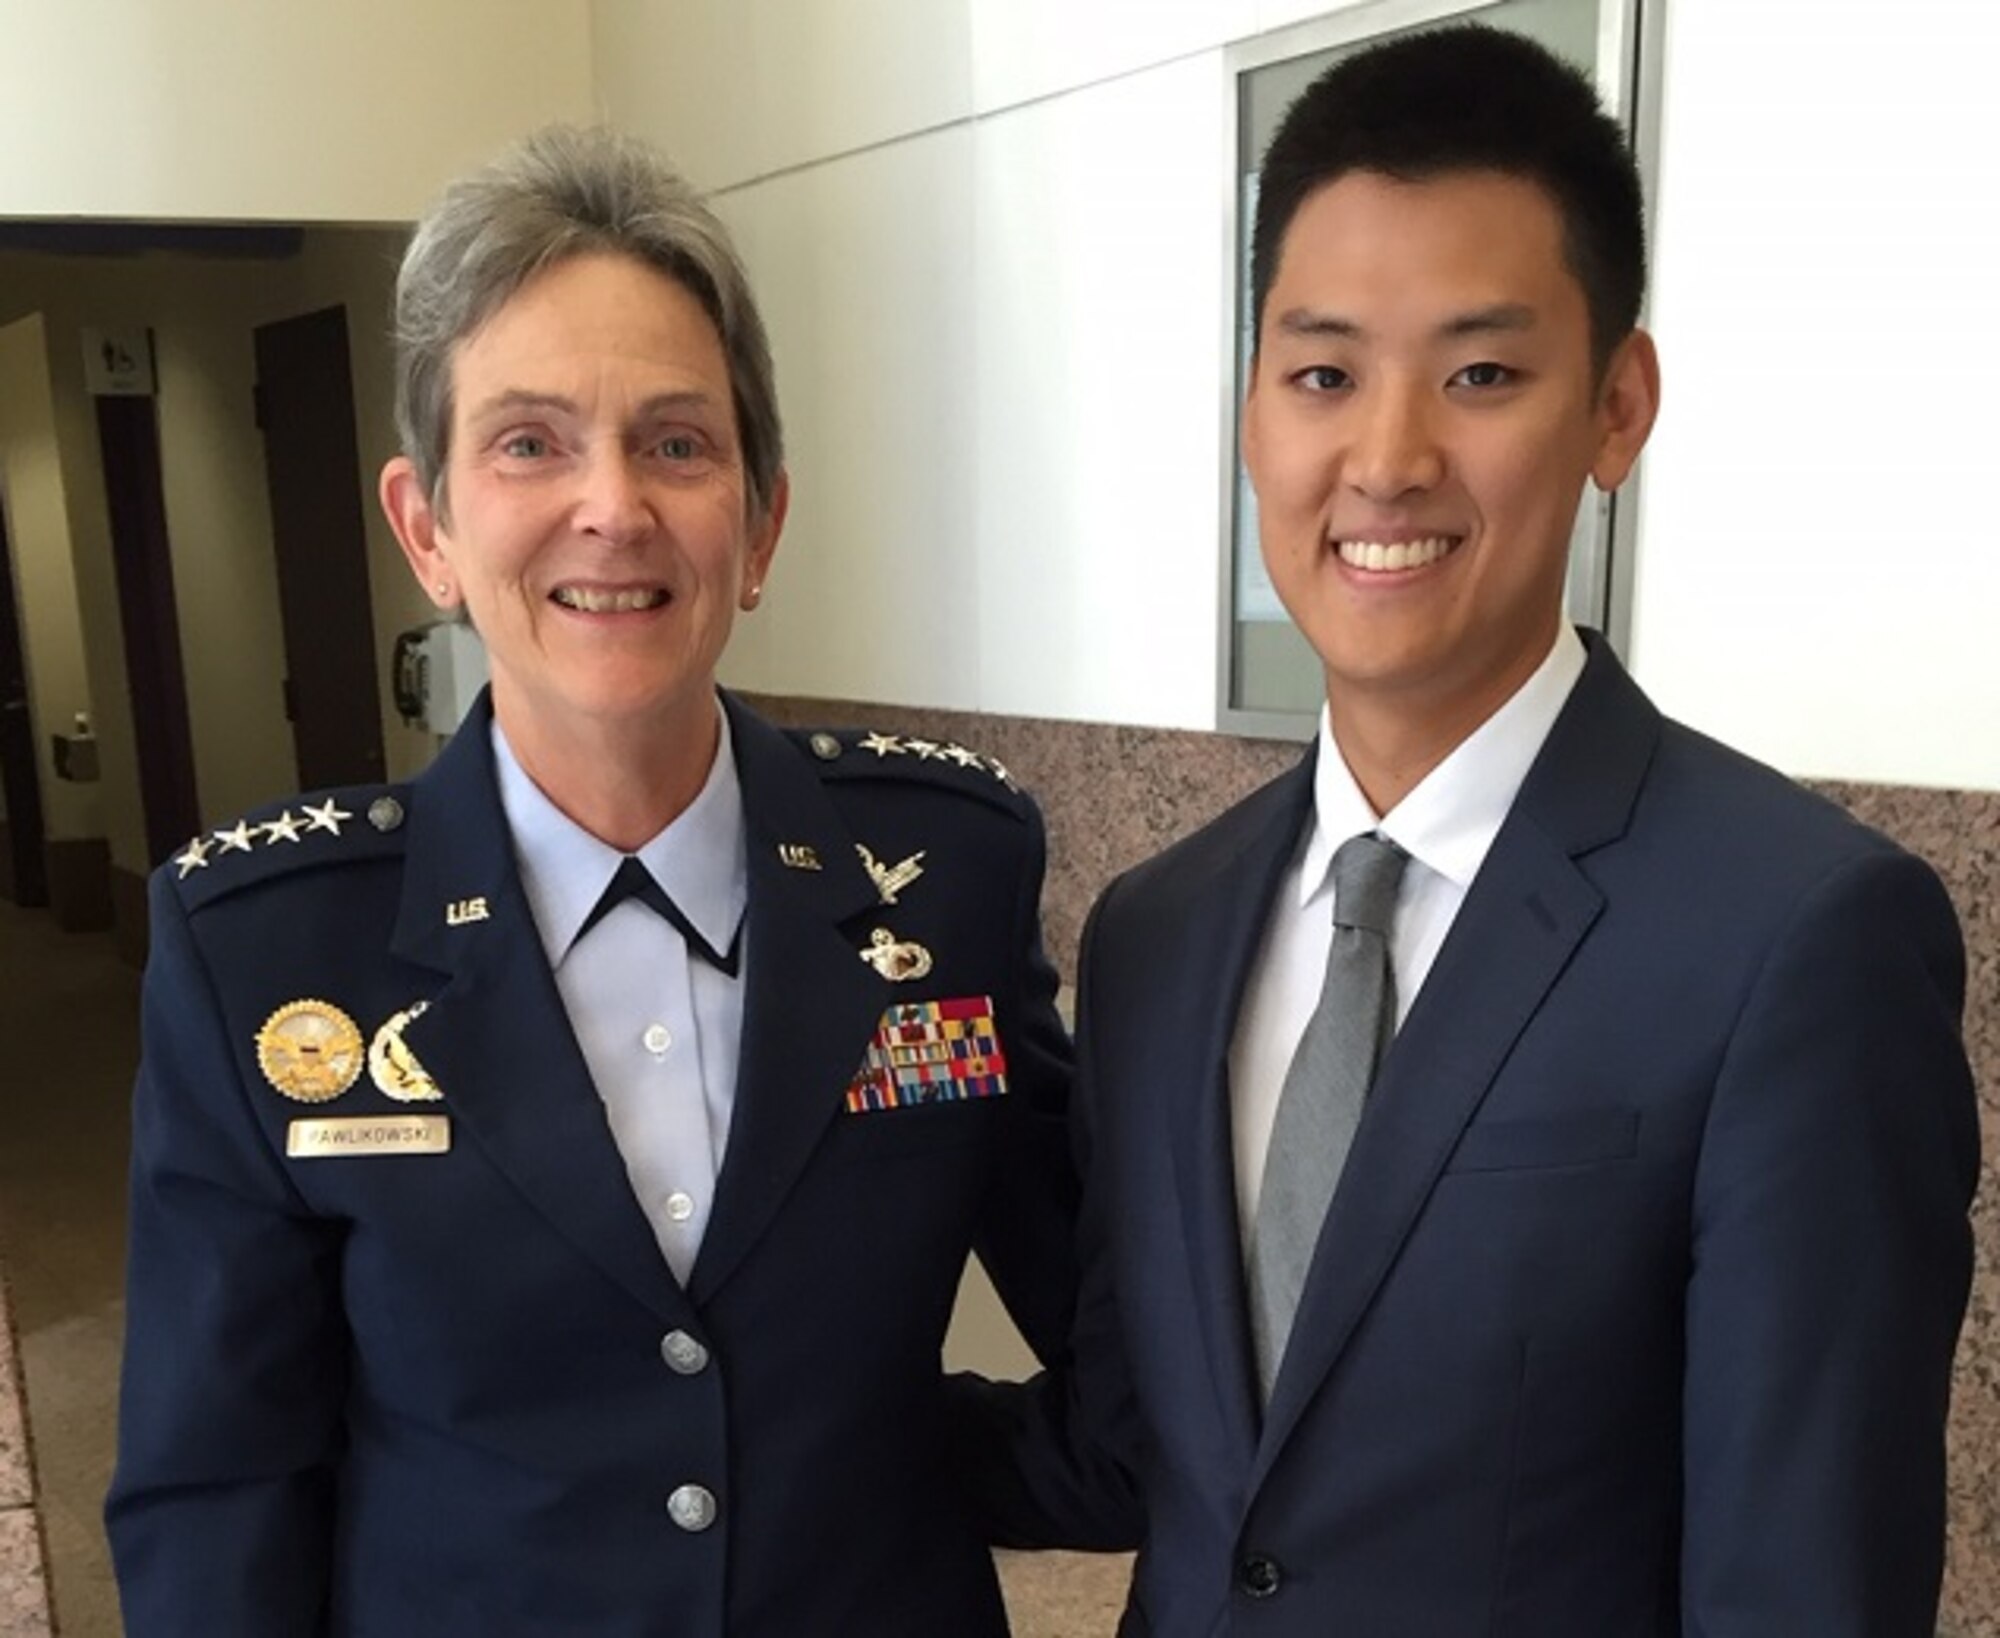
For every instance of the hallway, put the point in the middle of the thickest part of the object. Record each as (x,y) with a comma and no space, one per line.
(69,1018)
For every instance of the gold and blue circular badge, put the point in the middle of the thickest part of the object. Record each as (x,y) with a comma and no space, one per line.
(310,1051)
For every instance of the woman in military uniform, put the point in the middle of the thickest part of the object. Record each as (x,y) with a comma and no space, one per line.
(552,1176)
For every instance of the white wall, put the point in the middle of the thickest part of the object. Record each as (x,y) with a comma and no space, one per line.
(254,110)
(991,240)
(1819,575)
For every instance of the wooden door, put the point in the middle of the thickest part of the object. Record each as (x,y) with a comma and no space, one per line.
(305,406)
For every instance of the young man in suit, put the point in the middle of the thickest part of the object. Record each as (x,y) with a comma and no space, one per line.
(1546,1215)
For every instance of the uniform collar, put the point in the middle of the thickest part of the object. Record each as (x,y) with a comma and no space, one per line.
(1448,821)
(699,858)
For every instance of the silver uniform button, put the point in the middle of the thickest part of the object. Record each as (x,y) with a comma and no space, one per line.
(657,1039)
(692,1507)
(825,747)
(385,813)
(686,1356)
(680,1207)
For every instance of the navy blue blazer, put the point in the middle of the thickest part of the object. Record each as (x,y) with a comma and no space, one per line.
(1635,1308)
(411,1395)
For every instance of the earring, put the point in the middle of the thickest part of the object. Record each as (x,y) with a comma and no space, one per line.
(443,589)
(751,594)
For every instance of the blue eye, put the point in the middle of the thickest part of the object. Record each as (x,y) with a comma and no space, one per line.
(525,446)
(679,446)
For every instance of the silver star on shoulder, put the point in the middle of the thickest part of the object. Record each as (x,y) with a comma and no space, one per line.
(963,757)
(890,880)
(325,817)
(193,857)
(883,744)
(999,772)
(238,838)
(928,749)
(285,826)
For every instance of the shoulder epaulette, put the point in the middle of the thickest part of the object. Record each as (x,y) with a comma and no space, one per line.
(854,752)
(306,833)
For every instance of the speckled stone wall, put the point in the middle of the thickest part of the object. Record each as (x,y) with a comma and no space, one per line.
(1112,796)
(24,1600)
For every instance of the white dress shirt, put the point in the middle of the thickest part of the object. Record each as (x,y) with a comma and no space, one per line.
(660,1033)
(1446,825)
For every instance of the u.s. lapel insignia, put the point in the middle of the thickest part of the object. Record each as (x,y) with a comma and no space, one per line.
(897,960)
(393,1067)
(890,880)
(461,911)
(310,1051)
(797,856)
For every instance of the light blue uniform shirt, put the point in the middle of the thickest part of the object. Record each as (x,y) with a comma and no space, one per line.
(660,1033)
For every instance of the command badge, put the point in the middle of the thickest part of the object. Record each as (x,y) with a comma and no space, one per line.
(393,1067)
(310,1051)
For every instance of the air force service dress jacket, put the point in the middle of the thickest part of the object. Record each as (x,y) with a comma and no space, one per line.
(401,1385)
(1634,1310)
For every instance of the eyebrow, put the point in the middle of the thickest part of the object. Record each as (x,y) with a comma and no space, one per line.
(1500,317)
(518,399)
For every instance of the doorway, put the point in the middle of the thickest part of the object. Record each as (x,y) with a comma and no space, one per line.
(312,465)
(128,434)
(23,866)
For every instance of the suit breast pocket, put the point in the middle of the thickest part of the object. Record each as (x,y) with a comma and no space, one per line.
(1576,1137)
(918,1129)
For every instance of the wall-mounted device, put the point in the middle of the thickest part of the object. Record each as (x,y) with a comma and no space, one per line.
(438,671)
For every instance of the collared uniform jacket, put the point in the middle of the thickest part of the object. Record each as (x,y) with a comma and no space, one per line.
(460,1394)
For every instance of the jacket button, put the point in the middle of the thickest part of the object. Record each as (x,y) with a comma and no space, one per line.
(681,1352)
(1258,1575)
(692,1507)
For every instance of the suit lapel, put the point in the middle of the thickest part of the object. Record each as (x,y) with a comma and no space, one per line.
(811,1003)
(1528,909)
(496,1038)
(1230,901)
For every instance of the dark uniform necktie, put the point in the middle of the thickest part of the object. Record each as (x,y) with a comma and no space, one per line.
(634,881)
(1325,1087)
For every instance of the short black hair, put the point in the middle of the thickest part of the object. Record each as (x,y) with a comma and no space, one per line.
(1468,98)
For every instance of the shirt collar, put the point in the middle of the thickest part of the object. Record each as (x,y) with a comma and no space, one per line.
(1448,822)
(701,858)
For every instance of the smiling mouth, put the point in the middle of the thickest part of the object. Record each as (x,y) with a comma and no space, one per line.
(624,600)
(1394,556)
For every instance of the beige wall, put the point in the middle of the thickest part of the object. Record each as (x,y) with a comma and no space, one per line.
(33,491)
(246,110)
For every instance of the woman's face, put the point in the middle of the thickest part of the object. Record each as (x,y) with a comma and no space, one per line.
(595,516)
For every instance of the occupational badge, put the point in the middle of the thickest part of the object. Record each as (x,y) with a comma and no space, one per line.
(890,880)
(897,960)
(393,1067)
(310,1051)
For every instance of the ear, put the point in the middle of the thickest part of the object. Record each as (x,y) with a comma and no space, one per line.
(414,520)
(764,532)
(1627,406)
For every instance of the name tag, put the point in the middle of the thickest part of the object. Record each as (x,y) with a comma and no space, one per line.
(368,1135)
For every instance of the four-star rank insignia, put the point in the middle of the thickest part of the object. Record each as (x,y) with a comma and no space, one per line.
(310,1051)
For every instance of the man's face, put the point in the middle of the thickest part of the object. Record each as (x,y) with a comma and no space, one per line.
(599,528)
(1422,418)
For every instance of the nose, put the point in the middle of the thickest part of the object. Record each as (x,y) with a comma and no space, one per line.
(1395,452)
(613,504)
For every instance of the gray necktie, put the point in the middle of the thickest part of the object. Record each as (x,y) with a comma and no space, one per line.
(1320,1105)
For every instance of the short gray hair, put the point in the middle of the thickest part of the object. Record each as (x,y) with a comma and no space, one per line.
(559,193)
